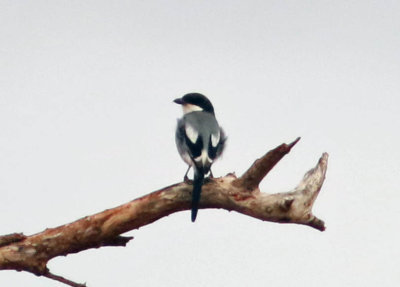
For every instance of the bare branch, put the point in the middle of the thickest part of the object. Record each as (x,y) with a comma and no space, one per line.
(63,280)
(11,238)
(31,253)
(261,167)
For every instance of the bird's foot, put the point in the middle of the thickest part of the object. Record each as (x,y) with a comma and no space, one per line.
(209,178)
(186,179)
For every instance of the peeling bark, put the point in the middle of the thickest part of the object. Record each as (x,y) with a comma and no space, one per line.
(31,253)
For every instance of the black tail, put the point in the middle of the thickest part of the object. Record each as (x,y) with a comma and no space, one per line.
(197,184)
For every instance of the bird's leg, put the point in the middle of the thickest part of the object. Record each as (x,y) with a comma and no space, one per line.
(210,177)
(185,178)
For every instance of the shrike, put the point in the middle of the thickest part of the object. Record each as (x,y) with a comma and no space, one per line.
(199,139)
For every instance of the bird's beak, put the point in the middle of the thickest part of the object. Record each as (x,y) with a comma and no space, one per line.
(178,101)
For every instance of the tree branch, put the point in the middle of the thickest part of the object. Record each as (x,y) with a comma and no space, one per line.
(63,280)
(11,238)
(262,166)
(31,253)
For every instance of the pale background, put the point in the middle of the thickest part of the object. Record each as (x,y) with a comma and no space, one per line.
(87,123)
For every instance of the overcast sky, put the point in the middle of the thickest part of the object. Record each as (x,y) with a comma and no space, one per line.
(87,123)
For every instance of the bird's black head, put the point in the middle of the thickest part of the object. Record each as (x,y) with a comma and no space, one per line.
(197,100)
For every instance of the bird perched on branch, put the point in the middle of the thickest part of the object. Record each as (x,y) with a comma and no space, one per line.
(199,139)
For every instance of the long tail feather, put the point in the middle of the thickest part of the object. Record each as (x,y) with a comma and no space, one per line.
(197,184)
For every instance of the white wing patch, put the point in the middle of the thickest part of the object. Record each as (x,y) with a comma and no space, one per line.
(191,133)
(203,158)
(215,139)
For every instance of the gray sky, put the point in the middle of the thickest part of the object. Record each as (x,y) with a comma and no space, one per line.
(87,123)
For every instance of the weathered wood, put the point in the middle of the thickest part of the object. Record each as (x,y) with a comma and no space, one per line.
(31,253)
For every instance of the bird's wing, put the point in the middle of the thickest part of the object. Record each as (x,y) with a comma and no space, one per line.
(222,142)
(188,138)
(217,144)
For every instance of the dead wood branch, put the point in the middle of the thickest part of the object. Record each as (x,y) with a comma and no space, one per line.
(31,253)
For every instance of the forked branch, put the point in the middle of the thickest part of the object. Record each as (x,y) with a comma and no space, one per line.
(31,253)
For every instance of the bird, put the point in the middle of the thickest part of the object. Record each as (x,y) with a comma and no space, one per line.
(199,140)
